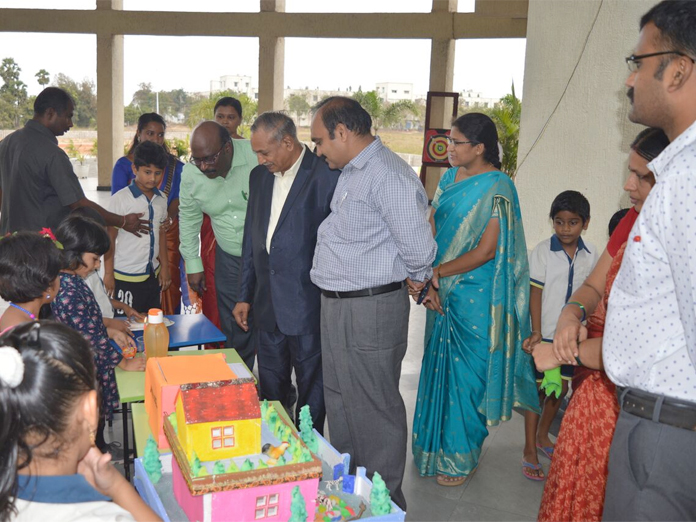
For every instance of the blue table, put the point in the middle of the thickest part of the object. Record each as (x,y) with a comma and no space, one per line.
(191,330)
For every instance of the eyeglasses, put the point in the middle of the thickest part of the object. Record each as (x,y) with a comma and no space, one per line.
(633,61)
(454,142)
(209,160)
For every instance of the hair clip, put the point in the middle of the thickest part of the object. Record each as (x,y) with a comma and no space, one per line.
(11,366)
(48,234)
(32,338)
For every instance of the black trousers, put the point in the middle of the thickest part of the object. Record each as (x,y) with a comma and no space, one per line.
(141,296)
(278,354)
(227,268)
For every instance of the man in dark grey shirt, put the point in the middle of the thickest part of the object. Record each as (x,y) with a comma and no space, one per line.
(38,186)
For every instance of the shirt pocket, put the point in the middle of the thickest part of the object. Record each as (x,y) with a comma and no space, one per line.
(357,221)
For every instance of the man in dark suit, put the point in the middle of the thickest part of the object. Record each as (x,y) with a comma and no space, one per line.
(289,196)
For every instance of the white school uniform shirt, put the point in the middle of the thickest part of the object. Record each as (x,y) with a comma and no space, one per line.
(136,257)
(96,285)
(558,275)
(281,188)
(650,332)
(64,498)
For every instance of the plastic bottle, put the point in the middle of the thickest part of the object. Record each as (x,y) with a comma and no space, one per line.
(156,334)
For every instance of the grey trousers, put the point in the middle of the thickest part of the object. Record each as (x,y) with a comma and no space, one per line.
(363,342)
(652,468)
(227,269)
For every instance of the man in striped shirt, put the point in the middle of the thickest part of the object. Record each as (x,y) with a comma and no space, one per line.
(376,237)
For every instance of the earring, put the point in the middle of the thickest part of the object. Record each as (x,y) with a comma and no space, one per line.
(48,296)
(93,437)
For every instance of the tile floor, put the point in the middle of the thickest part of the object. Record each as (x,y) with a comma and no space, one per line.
(498,491)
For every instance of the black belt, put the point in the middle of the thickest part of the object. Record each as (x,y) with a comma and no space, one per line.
(366,292)
(673,412)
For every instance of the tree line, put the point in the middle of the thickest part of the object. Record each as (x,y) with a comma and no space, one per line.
(177,105)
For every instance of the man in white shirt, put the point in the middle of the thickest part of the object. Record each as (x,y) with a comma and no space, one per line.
(289,196)
(650,336)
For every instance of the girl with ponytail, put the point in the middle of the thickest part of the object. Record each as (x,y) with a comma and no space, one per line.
(49,466)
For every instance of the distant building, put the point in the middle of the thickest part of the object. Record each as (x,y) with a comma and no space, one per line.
(234,82)
(472,99)
(393,91)
(315,95)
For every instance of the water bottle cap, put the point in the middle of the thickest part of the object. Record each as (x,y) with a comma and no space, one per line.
(155,316)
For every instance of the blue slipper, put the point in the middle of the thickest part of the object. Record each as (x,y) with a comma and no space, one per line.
(527,466)
(546,450)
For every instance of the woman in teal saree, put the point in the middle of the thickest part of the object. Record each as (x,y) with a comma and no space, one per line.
(474,370)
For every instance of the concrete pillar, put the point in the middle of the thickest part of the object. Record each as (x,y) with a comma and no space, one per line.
(109,99)
(574,133)
(271,63)
(441,80)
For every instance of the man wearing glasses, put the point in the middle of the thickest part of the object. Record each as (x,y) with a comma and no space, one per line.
(650,334)
(216,182)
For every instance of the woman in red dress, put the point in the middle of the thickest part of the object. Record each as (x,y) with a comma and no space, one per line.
(577,478)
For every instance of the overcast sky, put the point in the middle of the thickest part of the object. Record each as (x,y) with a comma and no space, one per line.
(487,66)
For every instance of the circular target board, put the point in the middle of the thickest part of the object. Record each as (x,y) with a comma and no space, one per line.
(435,150)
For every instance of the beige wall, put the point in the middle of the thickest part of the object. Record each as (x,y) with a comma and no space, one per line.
(586,142)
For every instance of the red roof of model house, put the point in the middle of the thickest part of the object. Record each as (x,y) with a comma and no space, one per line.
(234,399)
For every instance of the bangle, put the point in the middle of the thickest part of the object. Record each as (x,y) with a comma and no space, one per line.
(438,270)
(536,331)
(579,305)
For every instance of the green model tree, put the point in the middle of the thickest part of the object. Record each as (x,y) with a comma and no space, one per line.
(280,461)
(219,468)
(306,429)
(197,469)
(272,419)
(298,508)
(232,468)
(306,455)
(247,465)
(172,421)
(297,452)
(380,503)
(261,464)
(151,460)
(195,464)
(264,409)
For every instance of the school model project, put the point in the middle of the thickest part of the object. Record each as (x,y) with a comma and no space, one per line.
(233,458)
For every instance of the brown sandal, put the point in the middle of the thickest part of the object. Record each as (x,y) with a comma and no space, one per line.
(449,481)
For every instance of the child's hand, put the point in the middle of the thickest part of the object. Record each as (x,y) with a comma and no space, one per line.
(136,364)
(544,358)
(132,314)
(116,325)
(96,467)
(109,284)
(123,340)
(529,343)
(164,279)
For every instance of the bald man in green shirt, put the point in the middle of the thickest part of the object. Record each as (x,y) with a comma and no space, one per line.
(216,182)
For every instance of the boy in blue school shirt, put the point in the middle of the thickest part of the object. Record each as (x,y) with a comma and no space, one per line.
(557,267)
(136,268)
